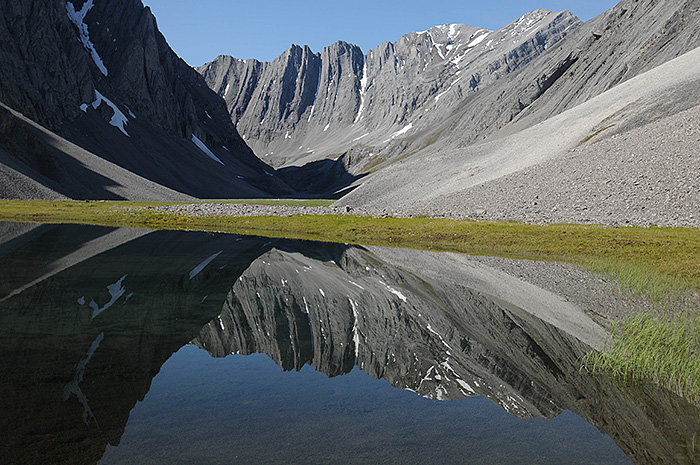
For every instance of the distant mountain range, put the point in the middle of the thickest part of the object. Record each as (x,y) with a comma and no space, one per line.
(96,105)
(307,106)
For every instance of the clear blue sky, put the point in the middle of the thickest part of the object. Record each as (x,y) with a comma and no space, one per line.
(201,30)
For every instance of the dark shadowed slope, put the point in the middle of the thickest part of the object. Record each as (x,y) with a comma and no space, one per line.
(102,76)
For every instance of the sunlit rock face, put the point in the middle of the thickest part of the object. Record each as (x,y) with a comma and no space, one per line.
(306,106)
(452,83)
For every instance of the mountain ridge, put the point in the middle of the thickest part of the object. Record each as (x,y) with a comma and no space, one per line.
(101,75)
(340,123)
(367,92)
(584,61)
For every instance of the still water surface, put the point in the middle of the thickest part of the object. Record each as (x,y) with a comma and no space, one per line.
(127,346)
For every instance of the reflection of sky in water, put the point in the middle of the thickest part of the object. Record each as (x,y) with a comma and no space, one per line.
(247,410)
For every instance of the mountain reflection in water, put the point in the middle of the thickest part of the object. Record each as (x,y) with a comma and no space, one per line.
(88,316)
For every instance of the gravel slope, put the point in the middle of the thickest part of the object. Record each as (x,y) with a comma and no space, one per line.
(555,171)
(648,176)
(75,172)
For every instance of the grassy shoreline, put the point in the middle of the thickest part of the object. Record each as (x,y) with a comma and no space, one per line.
(663,257)
(662,264)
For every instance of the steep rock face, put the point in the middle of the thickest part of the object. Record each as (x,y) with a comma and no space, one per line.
(633,37)
(588,87)
(341,98)
(620,44)
(43,73)
(453,86)
(100,74)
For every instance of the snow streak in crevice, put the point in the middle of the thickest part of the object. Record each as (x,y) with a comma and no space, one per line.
(78,18)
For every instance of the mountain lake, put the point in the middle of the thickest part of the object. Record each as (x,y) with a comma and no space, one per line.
(125,346)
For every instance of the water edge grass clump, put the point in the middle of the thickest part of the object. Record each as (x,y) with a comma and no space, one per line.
(668,293)
(664,350)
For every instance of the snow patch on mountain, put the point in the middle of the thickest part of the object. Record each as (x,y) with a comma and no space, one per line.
(400,132)
(119,119)
(202,146)
(479,38)
(78,18)
(363,91)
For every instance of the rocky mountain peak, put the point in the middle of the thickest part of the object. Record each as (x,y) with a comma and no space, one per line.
(102,76)
(341,98)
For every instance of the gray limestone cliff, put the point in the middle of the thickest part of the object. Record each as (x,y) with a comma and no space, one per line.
(626,70)
(307,106)
(438,96)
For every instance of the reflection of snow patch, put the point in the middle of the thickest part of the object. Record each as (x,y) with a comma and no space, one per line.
(74,386)
(198,269)
(394,291)
(116,290)
(439,336)
(397,293)
(355,330)
(465,386)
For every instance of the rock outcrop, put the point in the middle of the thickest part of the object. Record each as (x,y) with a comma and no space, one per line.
(307,106)
(101,75)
